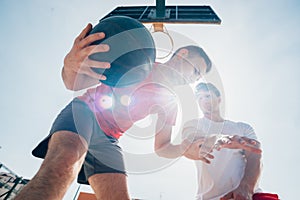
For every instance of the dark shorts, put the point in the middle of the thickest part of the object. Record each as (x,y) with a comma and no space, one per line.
(103,156)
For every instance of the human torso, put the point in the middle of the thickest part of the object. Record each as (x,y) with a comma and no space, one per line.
(227,168)
(116,109)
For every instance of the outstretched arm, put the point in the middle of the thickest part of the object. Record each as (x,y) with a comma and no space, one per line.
(163,146)
(238,142)
(77,73)
(191,150)
(201,148)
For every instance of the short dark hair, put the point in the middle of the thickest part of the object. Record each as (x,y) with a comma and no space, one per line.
(207,87)
(196,50)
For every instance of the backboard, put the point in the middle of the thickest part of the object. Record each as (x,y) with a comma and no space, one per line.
(160,14)
(177,14)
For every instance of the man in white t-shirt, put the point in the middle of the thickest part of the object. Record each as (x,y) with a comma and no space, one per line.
(224,171)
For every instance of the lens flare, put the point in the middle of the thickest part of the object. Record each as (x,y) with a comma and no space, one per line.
(125,100)
(105,102)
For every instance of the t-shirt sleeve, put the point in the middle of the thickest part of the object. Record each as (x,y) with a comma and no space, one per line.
(247,130)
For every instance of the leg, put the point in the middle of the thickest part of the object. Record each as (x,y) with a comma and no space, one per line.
(111,186)
(65,155)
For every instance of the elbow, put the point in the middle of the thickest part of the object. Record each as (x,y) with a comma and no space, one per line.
(71,87)
(159,154)
(160,150)
(68,82)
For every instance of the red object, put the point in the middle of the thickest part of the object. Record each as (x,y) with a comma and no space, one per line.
(265,196)
(86,196)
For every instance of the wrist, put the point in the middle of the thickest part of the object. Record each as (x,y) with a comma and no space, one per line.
(184,146)
(247,186)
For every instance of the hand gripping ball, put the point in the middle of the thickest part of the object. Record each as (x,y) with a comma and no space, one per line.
(131,54)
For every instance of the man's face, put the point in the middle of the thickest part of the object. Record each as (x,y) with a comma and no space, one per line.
(193,69)
(208,101)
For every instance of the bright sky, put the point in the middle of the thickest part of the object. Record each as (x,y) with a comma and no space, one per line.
(255,51)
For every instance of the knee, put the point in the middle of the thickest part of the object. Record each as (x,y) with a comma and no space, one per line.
(65,150)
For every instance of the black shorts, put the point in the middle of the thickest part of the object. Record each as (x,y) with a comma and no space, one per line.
(103,156)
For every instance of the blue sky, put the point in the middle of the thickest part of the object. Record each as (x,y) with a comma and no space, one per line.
(255,52)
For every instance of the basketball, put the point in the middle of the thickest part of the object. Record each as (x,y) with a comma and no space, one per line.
(132,50)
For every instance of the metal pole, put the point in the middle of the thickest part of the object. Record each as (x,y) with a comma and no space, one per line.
(160,8)
(6,168)
(77,192)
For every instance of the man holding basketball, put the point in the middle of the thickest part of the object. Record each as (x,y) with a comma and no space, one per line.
(83,139)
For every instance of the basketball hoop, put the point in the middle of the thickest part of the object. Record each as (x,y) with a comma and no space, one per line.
(159,28)
(161,14)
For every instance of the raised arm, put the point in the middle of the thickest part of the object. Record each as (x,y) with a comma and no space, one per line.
(76,72)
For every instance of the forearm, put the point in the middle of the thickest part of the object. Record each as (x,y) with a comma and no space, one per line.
(68,80)
(252,170)
(77,73)
(170,151)
(163,145)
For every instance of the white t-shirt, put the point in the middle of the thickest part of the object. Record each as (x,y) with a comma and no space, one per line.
(226,170)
